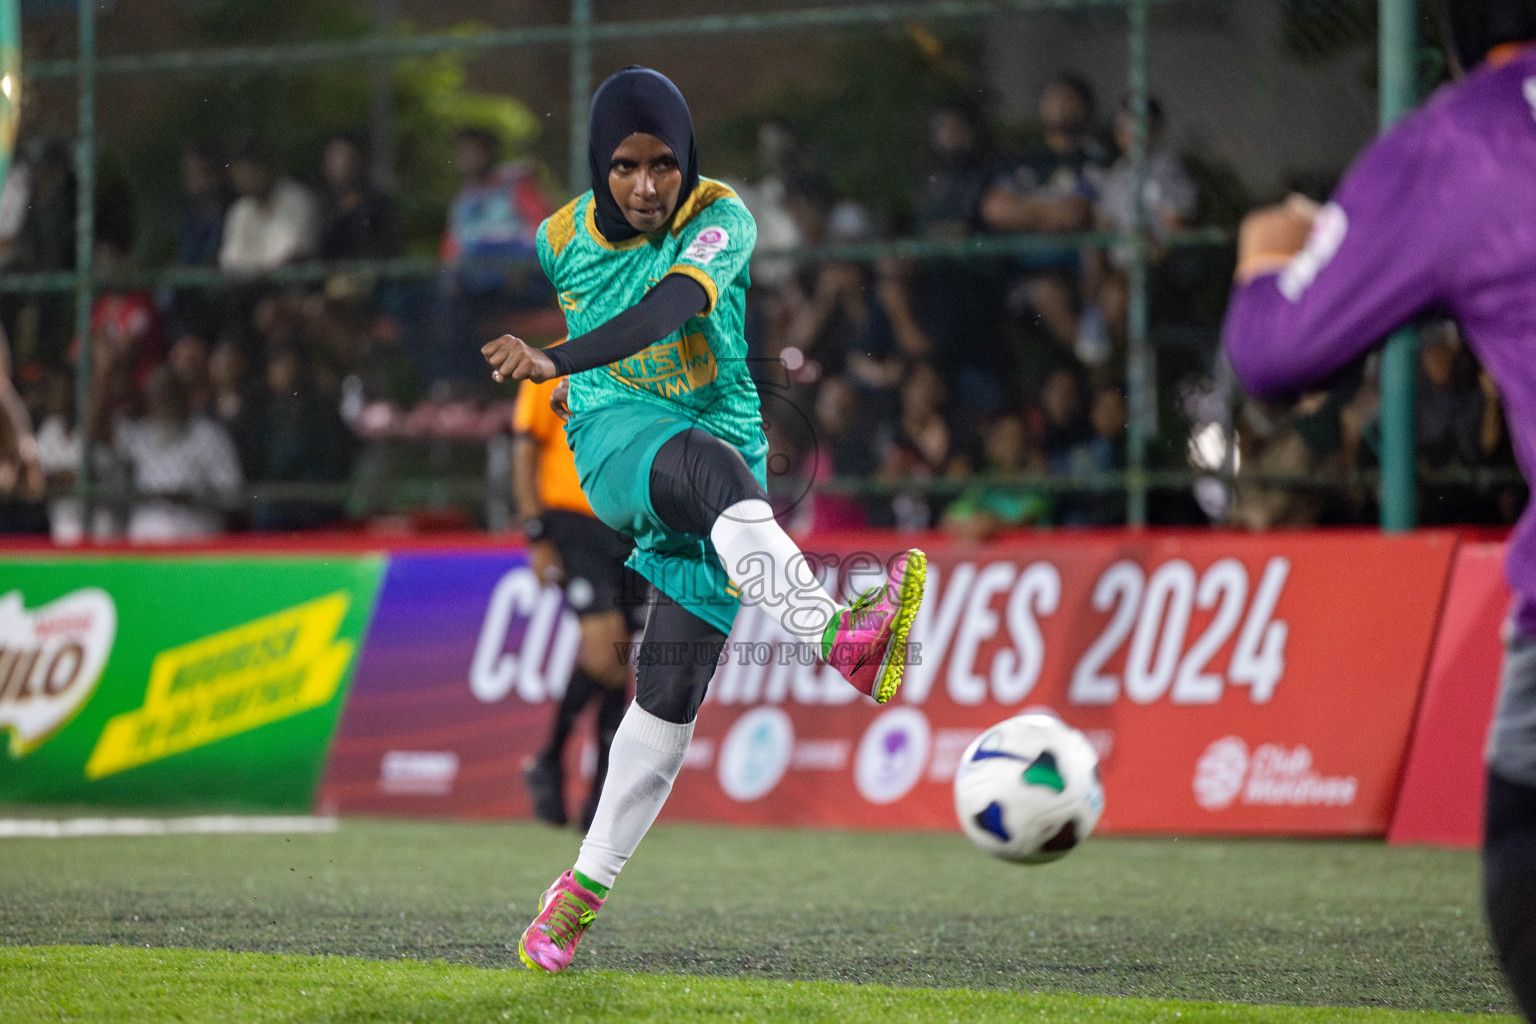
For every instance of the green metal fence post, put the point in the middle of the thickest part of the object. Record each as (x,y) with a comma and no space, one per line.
(581,91)
(383,139)
(10,80)
(85,245)
(1399,46)
(1138,382)
(841,15)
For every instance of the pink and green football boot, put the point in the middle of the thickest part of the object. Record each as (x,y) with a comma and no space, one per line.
(566,911)
(867,641)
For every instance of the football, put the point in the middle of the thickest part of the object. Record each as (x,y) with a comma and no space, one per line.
(1028,790)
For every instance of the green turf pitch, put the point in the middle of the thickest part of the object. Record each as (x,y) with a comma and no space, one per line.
(56,983)
(1350,924)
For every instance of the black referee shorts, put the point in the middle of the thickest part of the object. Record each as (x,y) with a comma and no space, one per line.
(596,578)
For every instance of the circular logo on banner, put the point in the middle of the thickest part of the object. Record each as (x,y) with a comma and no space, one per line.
(1220,772)
(892,755)
(755,754)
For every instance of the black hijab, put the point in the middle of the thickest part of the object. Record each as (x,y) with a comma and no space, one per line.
(636,100)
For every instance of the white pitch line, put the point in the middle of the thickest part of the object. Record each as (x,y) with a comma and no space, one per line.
(67,828)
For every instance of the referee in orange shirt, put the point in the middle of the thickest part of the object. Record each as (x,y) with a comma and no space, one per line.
(569,545)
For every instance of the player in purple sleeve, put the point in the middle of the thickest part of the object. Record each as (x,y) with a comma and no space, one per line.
(1438,216)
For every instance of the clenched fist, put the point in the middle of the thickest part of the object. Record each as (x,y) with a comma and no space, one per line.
(514,359)
(1269,237)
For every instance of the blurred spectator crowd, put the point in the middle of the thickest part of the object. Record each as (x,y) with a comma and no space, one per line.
(943,378)
(253,404)
(947,392)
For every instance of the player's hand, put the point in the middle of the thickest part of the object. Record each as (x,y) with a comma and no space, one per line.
(33,483)
(515,359)
(1270,236)
(559,400)
(544,560)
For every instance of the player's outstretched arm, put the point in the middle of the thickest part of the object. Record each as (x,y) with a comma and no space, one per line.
(1375,256)
(1270,237)
(664,309)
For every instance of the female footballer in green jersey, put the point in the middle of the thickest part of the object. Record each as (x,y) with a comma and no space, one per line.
(651,269)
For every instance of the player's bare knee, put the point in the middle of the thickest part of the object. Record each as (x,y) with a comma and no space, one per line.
(603,639)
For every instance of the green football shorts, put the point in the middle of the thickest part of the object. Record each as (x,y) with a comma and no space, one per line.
(614,448)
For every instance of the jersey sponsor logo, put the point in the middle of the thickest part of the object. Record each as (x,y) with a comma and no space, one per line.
(708,244)
(671,368)
(1271,776)
(1529,88)
(1328,232)
(570,302)
(50,661)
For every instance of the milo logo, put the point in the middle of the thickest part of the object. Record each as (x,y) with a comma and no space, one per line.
(50,661)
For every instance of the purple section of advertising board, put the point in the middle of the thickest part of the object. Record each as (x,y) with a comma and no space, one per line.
(454,688)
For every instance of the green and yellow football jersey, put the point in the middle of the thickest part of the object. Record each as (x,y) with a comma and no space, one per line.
(699,372)
(622,414)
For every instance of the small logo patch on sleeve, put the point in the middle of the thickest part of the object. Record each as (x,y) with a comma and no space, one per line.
(709,244)
(1322,246)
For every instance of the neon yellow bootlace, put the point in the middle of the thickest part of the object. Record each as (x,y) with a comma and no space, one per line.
(568,918)
(863,603)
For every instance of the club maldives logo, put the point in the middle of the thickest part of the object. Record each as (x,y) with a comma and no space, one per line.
(50,661)
(709,243)
(1220,773)
(1272,775)
(892,755)
(229,683)
(755,754)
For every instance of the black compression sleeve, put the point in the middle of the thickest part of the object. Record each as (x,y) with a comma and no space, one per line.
(663,310)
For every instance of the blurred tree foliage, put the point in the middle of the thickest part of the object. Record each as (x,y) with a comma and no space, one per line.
(1313,30)
(292,113)
(1321,30)
(863,126)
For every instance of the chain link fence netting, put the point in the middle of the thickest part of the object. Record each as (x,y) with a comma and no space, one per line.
(297,265)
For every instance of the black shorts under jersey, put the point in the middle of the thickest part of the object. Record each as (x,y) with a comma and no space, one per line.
(596,578)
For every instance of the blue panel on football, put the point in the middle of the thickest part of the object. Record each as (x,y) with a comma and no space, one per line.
(991,819)
(983,754)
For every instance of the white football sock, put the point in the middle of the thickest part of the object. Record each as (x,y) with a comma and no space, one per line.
(770,570)
(646,755)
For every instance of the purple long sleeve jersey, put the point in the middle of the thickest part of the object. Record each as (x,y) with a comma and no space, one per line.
(1438,215)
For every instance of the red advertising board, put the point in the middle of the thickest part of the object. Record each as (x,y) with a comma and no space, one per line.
(1444,784)
(1232,684)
